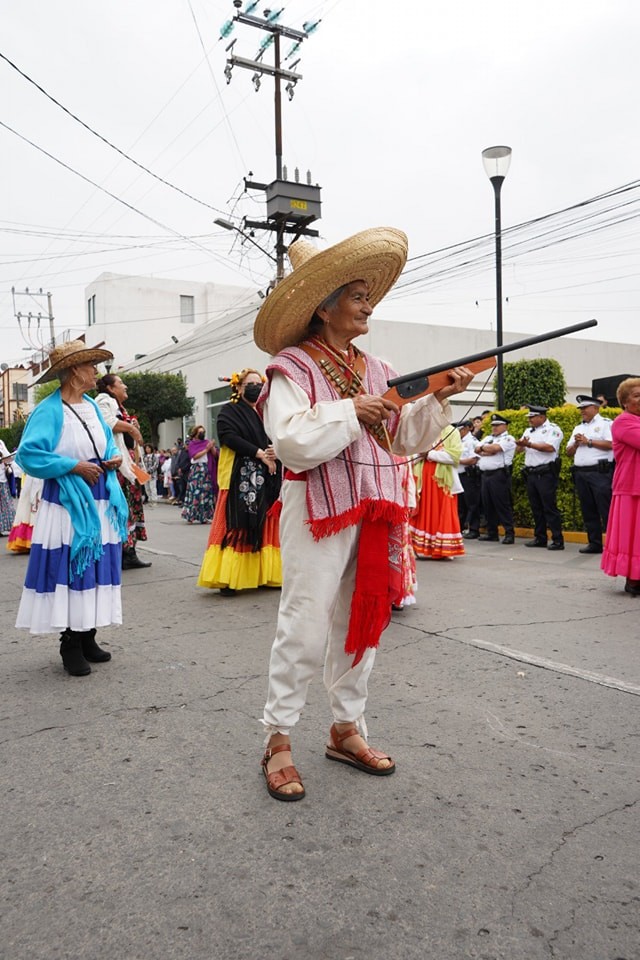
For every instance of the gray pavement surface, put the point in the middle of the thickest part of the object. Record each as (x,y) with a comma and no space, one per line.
(136,824)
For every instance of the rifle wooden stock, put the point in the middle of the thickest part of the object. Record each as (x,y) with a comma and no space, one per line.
(412,386)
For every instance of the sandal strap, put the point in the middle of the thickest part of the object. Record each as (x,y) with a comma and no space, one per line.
(281,778)
(339,735)
(366,755)
(279,748)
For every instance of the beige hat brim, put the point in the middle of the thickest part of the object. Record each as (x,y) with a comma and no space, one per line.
(90,355)
(377,256)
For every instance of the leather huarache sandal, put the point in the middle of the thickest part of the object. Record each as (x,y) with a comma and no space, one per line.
(281,778)
(366,759)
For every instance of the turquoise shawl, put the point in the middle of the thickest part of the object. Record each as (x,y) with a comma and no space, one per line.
(37,457)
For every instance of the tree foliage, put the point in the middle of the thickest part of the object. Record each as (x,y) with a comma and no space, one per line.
(158,397)
(538,381)
(44,390)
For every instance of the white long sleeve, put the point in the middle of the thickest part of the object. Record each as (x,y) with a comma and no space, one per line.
(304,436)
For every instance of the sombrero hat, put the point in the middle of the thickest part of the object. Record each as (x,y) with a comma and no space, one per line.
(70,354)
(376,256)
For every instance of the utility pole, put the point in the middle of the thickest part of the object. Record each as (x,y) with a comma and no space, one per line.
(291,207)
(20,316)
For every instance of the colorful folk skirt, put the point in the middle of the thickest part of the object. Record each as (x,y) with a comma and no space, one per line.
(198,501)
(7,509)
(621,556)
(136,526)
(28,502)
(51,601)
(239,566)
(435,528)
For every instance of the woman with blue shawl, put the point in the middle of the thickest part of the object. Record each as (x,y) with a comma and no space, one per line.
(73,576)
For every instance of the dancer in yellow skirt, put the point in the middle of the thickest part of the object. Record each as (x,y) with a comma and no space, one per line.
(243,551)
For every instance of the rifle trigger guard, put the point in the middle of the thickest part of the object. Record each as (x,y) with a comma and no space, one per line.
(412,388)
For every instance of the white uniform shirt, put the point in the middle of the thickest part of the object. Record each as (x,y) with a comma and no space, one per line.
(598,429)
(507,444)
(547,433)
(469,444)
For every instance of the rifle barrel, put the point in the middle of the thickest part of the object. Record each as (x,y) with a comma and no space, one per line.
(494,352)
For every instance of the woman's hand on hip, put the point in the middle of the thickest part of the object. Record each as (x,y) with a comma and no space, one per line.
(372,410)
(90,472)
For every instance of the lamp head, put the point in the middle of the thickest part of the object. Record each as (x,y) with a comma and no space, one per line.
(496,161)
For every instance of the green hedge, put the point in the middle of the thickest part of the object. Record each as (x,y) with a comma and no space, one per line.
(566,417)
(11,435)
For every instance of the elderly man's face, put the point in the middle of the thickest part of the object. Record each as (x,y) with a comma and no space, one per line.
(588,413)
(349,318)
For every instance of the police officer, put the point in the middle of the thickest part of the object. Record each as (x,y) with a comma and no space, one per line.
(541,444)
(591,447)
(495,455)
(469,474)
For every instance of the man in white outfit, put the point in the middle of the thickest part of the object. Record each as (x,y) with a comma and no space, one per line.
(342,498)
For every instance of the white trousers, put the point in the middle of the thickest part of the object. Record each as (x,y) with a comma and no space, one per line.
(317,585)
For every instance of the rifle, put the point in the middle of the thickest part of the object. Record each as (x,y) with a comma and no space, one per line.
(411,386)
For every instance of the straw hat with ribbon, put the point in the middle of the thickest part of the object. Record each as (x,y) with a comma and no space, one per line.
(70,354)
(376,256)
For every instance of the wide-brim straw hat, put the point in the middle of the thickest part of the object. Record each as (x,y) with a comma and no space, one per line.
(70,354)
(376,256)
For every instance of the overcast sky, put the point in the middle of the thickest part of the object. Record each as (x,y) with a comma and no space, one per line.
(396,104)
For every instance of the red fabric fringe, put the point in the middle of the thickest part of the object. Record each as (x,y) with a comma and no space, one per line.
(368,510)
(371,602)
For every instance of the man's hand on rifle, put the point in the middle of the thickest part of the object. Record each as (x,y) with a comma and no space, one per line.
(461,377)
(372,410)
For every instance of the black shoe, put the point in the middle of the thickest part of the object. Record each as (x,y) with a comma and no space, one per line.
(471,535)
(632,587)
(509,539)
(536,543)
(90,648)
(131,561)
(489,536)
(556,545)
(590,548)
(71,652)
(227,592)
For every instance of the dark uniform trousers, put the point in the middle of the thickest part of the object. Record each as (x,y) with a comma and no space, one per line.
(594,493)
(496,500)
(542,490)
(469,500)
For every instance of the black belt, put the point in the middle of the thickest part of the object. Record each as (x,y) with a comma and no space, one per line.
(540,469)
(595,468)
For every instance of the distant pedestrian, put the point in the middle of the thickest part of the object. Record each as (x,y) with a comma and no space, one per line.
(541,444)
(591,446)
(7,508)
(495,459)
(469,474)
(202,485)
(435,526)
(622,551)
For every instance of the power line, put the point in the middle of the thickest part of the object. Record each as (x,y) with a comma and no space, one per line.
(122,153)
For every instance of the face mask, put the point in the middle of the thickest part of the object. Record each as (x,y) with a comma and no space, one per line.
(201,435)
(252,391)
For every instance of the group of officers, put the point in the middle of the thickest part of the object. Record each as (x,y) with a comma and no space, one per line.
(485,474)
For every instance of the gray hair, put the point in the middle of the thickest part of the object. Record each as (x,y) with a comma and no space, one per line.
(315,324)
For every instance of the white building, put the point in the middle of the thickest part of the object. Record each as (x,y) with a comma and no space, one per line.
(217,348)
(133,315)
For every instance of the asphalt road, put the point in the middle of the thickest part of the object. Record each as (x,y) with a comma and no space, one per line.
(136,824)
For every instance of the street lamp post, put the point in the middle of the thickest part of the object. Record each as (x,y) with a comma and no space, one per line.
(227,225)
(496,162)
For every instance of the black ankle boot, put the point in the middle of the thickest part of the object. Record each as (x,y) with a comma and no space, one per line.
(71,652)
(90,648)
(131,560)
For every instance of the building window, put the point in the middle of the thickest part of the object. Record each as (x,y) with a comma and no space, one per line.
(91,311)
(187,314)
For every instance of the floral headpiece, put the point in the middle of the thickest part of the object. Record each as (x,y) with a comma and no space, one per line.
(237,379)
